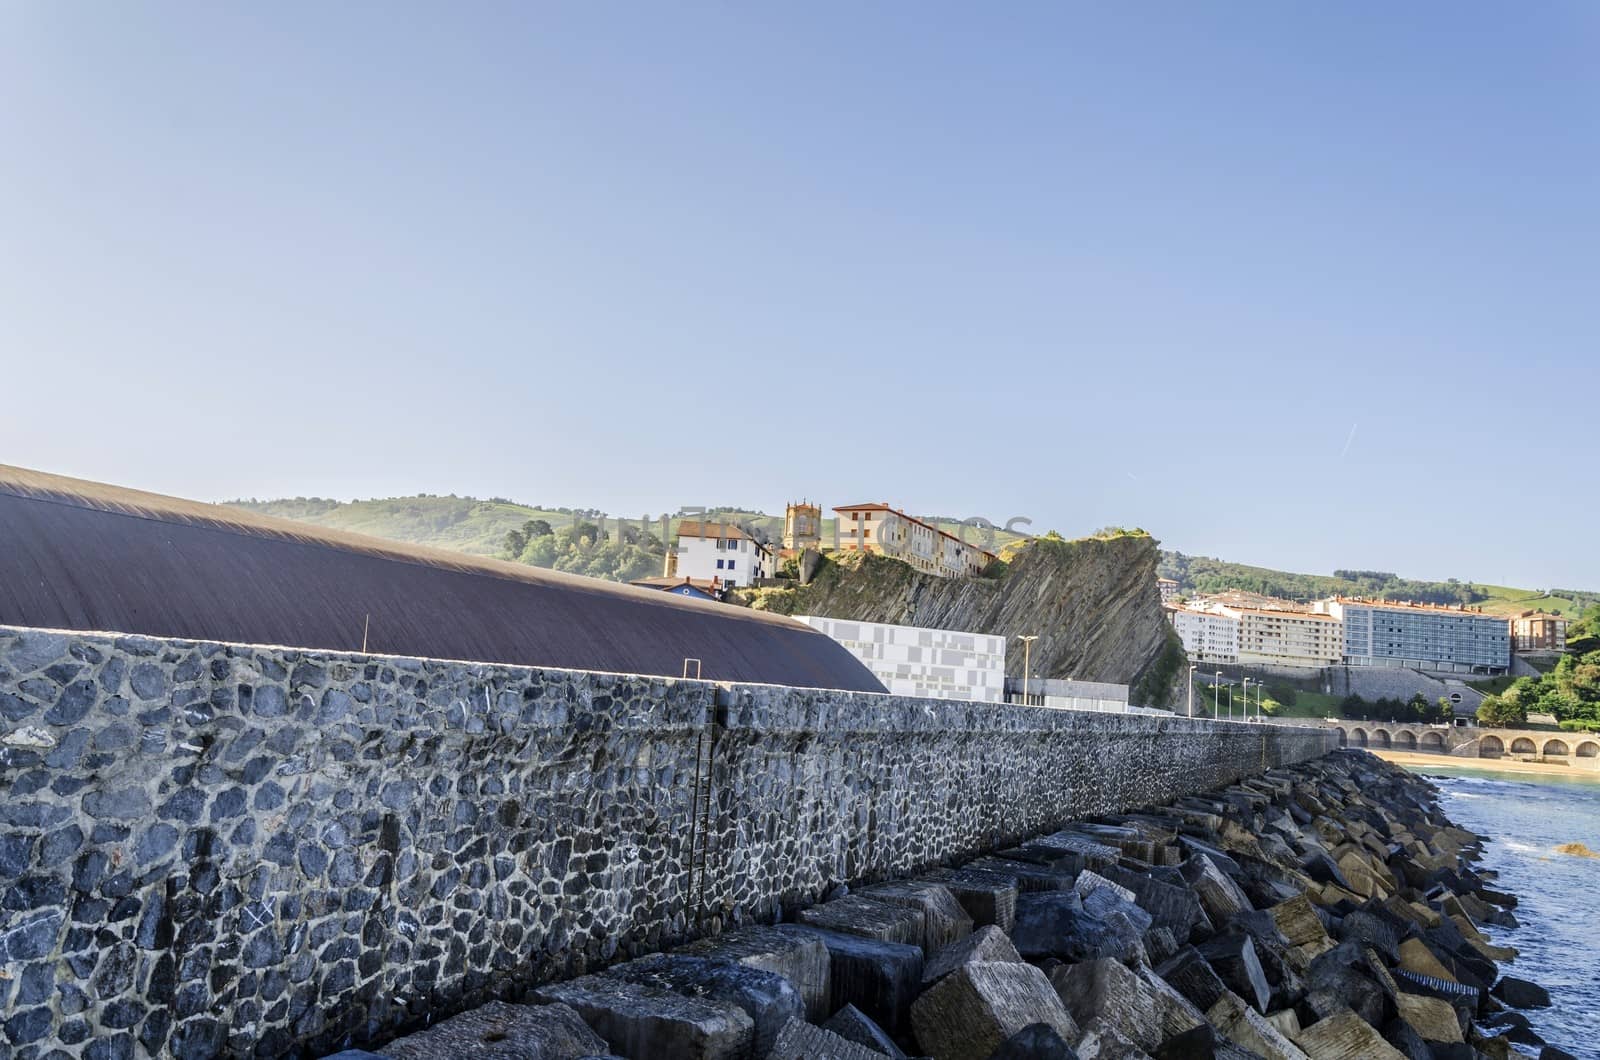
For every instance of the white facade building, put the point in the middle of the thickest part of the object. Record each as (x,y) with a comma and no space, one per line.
(934,663)
(1208,636)
(891,532)
(718,550)
(1421,636)
(1168,588)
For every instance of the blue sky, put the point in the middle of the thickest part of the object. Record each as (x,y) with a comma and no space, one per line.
(1091,264)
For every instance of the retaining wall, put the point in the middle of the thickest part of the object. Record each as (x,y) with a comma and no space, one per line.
(212,849)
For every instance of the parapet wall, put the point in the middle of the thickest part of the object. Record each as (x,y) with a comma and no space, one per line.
(233,850)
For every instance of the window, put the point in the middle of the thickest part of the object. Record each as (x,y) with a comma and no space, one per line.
(730,564)
(719,564)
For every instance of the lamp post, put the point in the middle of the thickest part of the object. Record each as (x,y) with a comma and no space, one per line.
(1245,714)
(1258,702)
(1216,696)
(1027,662)
(1192,668)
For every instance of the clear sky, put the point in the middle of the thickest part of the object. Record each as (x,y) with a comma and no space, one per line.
(1304,285)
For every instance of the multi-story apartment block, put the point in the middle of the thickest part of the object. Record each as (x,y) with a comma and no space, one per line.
(934,663)
(1538,631)
(1168,588)
(891,532)
(1421,636)
(720,551)
(1286,638)
(1208,636)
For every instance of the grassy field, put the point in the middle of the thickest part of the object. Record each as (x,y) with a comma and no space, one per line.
(1505,600)
(1305,705)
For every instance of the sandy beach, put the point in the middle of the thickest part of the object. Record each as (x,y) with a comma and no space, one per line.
(1487,765)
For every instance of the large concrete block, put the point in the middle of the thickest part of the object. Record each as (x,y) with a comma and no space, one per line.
(1234,958)
(1173,907)
(869,918)
(879,978)
(1219,896)
(501,1031)
(799,1040)
(767,998)
(1107,989)
(1433,1019)
(1192,976)
(969,1013)
(1055,925)
(1037,1041)
(646,1021)
(1345,1036)
(986,945)
(1100,1040)
(1029,877)
(853,1025)
(801,959)
(1246,1027)
(988,897)
(944,921)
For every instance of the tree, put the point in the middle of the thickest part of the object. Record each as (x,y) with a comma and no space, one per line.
(1500,710)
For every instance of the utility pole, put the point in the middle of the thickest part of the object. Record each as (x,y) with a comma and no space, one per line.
(1027,661)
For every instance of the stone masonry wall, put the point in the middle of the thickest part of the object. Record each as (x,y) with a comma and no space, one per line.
(212,849)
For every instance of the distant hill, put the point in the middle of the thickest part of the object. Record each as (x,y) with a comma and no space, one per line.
(1203,574)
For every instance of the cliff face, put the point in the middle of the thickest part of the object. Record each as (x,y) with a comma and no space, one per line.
(1093,604)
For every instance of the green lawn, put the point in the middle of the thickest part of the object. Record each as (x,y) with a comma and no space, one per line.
(1506,600)
(1306,705)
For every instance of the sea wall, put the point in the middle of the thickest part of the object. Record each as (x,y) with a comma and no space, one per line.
(213,849)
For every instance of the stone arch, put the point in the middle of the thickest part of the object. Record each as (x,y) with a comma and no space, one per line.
(1523,746)
(1358,736)
(1344,738)
(1588,749)
(1491,747)
(1556,749)
(1432,741)
(1406,739)
(1380,738)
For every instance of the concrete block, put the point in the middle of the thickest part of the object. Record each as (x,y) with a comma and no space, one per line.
(1036,1041)
(767,998)
(1055,925)
(1089,881)
(1191,975)
(799,1040)
(1029,877)
(649,1021)
(801,959)
(1103,901)
(1415,956)
(1234,958)
(970,1013)
(1298,922)
(501,1031)
(988,897)
(1249,1029)
(879,978)
(1170,906)
(986,945)
(1435,1020)
(867,917)
(1519,993)
(1219,896)
(1345,1036)
(944,920)
(853,1025)
(1100,1040)
(1109,990)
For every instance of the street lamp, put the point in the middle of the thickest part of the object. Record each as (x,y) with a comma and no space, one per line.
(1245,714)
(1216,696)
(1027,661)
(1192,668)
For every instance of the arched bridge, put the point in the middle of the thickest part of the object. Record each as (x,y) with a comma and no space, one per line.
(1578,749)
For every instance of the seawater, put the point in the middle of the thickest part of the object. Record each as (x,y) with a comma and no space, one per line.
(1525,817)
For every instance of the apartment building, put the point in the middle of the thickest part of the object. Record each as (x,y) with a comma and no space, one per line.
(1286,638)
(891,532)
(1538,631)
(933,663)
(720,551)
(1208,636)
(1168,588)
(1421,636)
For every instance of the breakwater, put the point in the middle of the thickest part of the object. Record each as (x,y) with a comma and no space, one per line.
(226,850)
(1319,912)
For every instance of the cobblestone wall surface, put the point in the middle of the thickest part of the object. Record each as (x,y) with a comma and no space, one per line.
(212,849)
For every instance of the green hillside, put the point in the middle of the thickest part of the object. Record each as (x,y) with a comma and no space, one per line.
(463,524)
(1204,574)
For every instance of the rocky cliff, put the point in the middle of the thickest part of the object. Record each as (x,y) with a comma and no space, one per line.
(1093,604)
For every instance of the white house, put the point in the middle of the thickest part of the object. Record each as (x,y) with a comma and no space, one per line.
(1207,636)
(721,551)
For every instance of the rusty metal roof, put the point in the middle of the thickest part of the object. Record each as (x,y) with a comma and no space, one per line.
(88,556)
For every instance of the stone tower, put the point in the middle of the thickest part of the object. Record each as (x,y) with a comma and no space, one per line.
(802,526)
